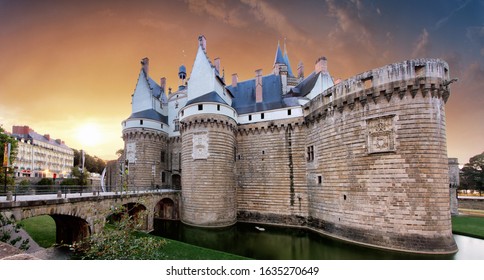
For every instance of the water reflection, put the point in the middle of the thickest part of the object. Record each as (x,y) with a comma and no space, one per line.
(280,243)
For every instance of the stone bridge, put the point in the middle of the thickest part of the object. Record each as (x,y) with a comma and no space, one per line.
(79,216)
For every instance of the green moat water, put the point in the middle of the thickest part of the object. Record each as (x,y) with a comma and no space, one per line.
(281,243)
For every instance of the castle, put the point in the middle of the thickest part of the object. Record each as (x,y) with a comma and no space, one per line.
(363,160)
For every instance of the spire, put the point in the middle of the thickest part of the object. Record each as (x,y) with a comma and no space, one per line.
(279,59)
(286,60)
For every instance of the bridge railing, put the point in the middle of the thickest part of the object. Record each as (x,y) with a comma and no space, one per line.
(12,192)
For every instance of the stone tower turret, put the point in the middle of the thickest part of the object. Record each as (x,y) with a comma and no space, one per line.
(208,124)
(145,133)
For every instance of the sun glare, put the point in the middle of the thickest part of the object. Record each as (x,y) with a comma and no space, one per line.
(89,134)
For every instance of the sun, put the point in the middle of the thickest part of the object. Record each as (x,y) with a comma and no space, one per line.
(89,134)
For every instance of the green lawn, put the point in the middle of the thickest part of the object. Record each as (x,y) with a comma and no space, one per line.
(41,229)
(468,225)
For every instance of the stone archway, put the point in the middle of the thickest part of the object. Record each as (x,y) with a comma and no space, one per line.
(166,209)
(70,229)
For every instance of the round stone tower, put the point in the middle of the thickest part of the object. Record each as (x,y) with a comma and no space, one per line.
(145,153)
(208,164)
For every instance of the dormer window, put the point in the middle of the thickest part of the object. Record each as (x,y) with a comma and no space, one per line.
(200,107)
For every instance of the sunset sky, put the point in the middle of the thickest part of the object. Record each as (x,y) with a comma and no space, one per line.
(68,68)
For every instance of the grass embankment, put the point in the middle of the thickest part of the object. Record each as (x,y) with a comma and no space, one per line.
(472,226)
(42,230)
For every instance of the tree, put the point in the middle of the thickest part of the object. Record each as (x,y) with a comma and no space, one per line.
(81,177)
(93,164)
(472,174)
(5,138)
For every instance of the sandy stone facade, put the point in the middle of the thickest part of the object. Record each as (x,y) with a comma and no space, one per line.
(363,159)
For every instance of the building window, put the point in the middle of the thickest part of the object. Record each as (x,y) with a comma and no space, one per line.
(250,117)
(183,112)
(320,179)
(162,156)
(163,177)
(161,125)
(289,112)
(310,151)
(262,116)
(141,122)
(218,107)
(200,107)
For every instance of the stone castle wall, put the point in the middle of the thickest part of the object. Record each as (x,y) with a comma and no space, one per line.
(146,151)
(208,164)
(271,174)
(383,159)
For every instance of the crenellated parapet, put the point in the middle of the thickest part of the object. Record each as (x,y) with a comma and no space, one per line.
(270,126)
(206,120)
(137,133)
(428,77)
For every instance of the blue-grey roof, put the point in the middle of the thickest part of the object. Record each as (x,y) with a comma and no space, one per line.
(209,97)
(289,69)
(36,137)
(244,95)
(279,59)
(305,87)
(149,114)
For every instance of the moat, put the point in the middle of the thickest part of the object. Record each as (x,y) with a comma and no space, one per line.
(266,242)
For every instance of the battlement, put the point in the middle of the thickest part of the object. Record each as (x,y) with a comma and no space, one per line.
(407,76)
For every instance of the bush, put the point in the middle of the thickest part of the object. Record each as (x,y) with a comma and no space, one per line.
(70,182)
(119,242)
(45,182)
(8,228)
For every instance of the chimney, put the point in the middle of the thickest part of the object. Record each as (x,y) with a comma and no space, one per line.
(217,64)
(321,65)
(203,42)
(235,79)
(163,84)
(20,129)
(145,64)
(300,70)
(258,85)
(47,136)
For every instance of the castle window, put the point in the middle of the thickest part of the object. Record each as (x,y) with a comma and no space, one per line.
(310,153)
(141,122)
(163,177)
(289,112)
(250,117)
(200,107)
(161,125)
(162,156)
(320,179)
(262,116)
(183,112)
(218,107)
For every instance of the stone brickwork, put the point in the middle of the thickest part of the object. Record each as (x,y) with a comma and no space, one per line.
(208,164)
(147,153)
(271,172)
(471,203)
(373,191)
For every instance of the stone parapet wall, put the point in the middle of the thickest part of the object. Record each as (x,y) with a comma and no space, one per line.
(208,164)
